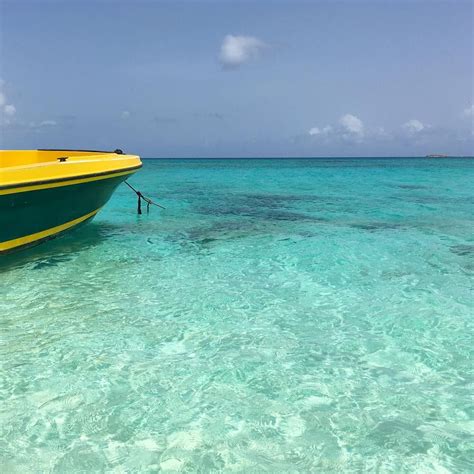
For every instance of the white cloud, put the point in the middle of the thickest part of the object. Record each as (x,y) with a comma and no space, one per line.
(352,124)
(469,112)
(48,123)
(320,131)
(414,126)
(125,114)
(348,129)
(9,109)
(42,125)
(236,50)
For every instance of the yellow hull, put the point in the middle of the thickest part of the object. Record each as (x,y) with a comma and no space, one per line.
(44,193)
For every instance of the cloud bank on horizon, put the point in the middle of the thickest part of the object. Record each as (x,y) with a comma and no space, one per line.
(312,80)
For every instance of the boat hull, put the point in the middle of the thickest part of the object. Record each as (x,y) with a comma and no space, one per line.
(32,214)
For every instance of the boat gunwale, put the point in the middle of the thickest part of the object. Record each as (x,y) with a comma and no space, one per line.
(69,178)
(79,150)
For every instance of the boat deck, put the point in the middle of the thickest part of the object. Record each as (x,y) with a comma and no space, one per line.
(25,168)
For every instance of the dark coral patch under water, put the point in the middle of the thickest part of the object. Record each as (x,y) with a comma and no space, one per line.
(378,226)
(463,250)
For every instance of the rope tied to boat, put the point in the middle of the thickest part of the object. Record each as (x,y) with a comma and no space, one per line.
(146,199)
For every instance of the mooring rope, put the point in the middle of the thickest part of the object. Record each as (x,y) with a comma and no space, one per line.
(140,197)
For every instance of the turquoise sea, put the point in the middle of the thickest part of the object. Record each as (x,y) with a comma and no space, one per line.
(278,316)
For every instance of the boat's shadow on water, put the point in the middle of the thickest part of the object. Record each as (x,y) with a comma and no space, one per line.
(60,249)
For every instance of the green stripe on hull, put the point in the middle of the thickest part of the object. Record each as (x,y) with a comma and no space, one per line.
(30,212)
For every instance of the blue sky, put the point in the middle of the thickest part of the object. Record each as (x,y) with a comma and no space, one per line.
(238,78)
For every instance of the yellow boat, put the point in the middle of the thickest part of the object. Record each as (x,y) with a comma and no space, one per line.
(44,193)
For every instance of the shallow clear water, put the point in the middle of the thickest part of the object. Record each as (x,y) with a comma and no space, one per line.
(278,316)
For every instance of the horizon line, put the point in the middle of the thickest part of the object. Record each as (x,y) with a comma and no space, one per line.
(301,157)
